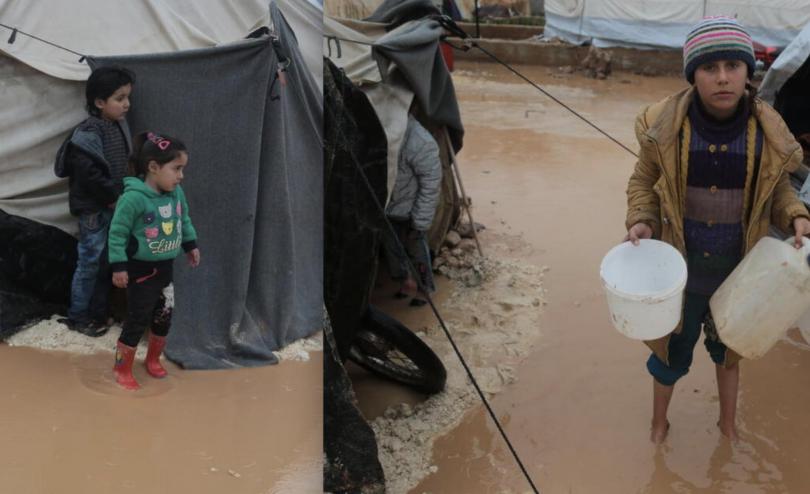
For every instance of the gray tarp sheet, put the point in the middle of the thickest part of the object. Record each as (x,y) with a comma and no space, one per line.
(255,189)
(414,48)
(398,11)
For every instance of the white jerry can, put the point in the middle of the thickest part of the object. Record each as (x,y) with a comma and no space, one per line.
(763,297)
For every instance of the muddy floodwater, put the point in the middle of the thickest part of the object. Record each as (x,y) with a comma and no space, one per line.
(579,411)
(67,428)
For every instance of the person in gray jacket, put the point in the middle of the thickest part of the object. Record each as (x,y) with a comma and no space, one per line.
(411,209)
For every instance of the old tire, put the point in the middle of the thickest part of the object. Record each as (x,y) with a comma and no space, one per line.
(386,347)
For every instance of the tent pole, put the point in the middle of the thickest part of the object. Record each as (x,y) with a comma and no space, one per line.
(464,202)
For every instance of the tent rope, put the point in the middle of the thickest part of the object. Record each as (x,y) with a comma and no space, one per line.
(15,31)
(451,26)
(512,69)
(414,271)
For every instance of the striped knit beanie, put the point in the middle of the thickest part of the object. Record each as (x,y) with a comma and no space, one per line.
(716,38)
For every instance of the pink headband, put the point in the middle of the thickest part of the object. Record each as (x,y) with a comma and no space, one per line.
(161,143)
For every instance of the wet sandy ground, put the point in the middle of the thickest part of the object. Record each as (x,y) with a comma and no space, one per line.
(67,428)
(580,409)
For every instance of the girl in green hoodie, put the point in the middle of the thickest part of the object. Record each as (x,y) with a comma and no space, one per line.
(149,227)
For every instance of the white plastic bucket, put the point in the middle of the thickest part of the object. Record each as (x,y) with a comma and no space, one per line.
(765,295)
(644,285)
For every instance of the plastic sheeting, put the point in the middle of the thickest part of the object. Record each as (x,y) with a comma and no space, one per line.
(641,23)
(786,64)
(354,142)
(413,49)
(394,67)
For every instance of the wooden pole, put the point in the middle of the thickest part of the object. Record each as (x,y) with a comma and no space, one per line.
(464,202)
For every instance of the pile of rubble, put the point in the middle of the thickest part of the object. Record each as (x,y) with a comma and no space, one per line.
(597,64)
(459,259)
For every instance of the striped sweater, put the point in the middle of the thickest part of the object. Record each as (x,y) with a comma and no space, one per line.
(715,182)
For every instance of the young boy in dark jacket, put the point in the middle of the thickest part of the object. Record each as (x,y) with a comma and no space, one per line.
(95,158)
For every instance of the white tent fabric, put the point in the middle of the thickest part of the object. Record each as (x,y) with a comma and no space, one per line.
(36,112)
(788,62)
(103,28)
(644,23)
(41,87)
(354,58)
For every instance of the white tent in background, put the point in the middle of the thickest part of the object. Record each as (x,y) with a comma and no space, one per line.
(640,23)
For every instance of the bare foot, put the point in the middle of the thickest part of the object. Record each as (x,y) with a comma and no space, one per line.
(658,432)
(730,431)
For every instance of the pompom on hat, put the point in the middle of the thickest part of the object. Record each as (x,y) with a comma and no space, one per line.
(716,38)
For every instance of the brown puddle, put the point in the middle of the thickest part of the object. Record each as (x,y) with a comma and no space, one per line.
(579,412)
(66,427)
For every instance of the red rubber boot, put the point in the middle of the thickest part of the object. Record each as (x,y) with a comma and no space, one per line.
(124,356)
(153,367)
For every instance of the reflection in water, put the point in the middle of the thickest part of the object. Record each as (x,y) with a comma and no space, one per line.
(732,467)
(95,374)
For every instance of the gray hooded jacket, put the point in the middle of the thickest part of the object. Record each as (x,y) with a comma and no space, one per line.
(419,177)
(81,158)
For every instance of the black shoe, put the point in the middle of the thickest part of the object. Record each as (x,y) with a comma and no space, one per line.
(94,329)
(91,329)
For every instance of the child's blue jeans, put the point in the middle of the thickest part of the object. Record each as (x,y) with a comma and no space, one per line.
(91,281)
(682,345)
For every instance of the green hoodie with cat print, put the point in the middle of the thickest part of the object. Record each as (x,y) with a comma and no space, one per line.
(149,225)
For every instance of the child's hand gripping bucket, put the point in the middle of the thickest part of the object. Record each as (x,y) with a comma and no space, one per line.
(644,285)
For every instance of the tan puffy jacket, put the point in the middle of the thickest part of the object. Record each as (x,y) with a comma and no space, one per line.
(656,191)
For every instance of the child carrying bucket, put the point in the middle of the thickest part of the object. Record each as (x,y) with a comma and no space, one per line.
(150,226)
(711,177)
